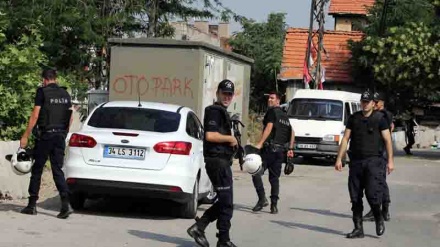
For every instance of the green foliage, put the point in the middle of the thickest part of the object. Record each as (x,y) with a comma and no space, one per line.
(405,59)
(262,42)
(19,70)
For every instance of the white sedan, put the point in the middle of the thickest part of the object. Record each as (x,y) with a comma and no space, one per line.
(140,149)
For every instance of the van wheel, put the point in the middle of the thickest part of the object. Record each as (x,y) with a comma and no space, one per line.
(189,209)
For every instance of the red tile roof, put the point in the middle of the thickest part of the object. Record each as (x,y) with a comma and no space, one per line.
(336,64)
(358,7)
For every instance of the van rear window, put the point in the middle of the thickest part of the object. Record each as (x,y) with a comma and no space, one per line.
(318,109)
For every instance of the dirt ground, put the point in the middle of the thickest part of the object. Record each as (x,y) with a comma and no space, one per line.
(47,189)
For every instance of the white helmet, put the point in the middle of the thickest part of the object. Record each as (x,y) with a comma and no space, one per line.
(252,164)
(21,162)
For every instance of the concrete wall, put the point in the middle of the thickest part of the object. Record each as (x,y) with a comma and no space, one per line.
(424,138)
(199,32)
(11,185)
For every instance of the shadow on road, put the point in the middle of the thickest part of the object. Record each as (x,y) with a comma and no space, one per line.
(7,206)
(121,207)
(314,161)
(323,212)
(313,228)
(180,242)
(423,154)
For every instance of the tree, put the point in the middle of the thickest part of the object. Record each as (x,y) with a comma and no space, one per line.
(262,42)
(19,70)
(403,61)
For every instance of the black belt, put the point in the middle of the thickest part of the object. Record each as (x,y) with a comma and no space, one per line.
(219,156)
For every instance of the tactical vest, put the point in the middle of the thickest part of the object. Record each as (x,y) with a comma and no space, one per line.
(366,139)
(211,148)
(54,113)
(281,130)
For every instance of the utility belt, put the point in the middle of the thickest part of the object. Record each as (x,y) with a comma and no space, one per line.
(38,132)
(224,156)
(357,157)
(275,147)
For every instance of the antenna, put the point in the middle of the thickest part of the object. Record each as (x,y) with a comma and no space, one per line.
(139,95)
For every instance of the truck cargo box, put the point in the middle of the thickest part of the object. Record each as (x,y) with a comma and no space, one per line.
(179,72)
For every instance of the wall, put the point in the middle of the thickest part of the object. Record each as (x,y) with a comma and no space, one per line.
(185,31)
(168,75)
(424,138)
(11,184)
(343,24)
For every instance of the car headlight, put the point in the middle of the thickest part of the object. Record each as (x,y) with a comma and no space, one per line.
(331,138)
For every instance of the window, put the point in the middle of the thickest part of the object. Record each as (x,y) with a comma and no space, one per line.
(193,126)
(135,119)
(354,107)
(318,109)
(346,113)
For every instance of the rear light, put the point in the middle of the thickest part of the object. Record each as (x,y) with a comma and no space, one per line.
(175,189)
(82,141)
(183,148)
(124,134)
(71,181)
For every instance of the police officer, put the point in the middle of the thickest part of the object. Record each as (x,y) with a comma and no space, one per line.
(277,135)
(368,133)
(409,132)
(51,118)
(379,101)
(219,145)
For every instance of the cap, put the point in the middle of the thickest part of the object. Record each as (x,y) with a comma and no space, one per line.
(226,86)
(367,96)
(379,96)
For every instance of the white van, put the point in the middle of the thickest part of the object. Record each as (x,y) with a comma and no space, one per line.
(318,118)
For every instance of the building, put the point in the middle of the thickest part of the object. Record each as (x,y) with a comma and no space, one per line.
(349,12)
(335,59)
(214,34)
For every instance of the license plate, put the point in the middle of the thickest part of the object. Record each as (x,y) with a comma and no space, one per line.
(307,146)
(124,152)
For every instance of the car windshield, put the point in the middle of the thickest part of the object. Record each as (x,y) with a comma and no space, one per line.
(135,119)
(317,109)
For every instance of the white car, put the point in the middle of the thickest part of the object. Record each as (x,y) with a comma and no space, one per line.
(143,149)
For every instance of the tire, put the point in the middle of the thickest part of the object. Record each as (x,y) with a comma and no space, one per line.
(189,209)
(210,198)
(77,200)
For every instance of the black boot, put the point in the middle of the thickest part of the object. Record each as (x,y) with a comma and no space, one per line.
(378,218)
(385,212)
(260,204)
(273,208)
(66,210)
(226,244)
(358,231)
(197,232)
(369,216)
(31,208)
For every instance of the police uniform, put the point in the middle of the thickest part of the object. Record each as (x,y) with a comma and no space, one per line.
(218,160)
(386,200)
(273,155)
(51,130)
(366,166)
(409,131)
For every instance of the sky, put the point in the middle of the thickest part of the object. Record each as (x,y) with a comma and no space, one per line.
(298,11)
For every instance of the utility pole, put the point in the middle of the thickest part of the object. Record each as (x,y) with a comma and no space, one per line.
(317,15)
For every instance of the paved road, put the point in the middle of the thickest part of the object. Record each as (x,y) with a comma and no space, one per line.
(314,211)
